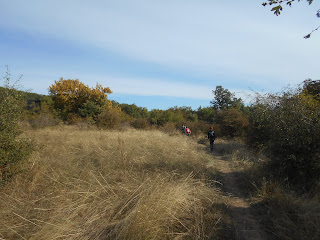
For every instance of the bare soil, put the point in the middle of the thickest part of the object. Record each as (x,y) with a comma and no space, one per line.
(245,221)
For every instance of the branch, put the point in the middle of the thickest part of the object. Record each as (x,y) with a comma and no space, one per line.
(277,10)
(309,35)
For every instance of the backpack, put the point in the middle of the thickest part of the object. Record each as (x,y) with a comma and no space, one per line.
(211,135)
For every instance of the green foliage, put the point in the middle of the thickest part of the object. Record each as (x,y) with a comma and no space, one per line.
(172,115)
(38,110)
(72,98)
(159,117)
(278,8)
(109,118)
(12,149)
(312,87)
(207,114)
(227,113)
(134,111)
(90,109)
(287,127)
(140,117)
(33,96)
(224,99)
(232,122)
(183,114)
(140,123)
(259,130)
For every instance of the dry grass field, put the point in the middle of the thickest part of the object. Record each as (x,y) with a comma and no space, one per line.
(91,184)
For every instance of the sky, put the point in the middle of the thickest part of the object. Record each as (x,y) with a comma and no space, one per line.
(159,54)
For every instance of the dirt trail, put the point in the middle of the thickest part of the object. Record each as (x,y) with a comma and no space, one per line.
(245,223)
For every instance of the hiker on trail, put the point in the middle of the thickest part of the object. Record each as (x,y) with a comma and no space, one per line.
(187,131)
(183,128)
(211,137)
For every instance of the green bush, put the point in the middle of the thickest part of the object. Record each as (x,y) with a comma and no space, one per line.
(232,122)
(109,118)
(12,149)
(287,127)
(207,114)
(90,109)
(140,123)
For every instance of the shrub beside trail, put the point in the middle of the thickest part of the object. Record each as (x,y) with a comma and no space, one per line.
(284,213)
(13,150)
(112,185)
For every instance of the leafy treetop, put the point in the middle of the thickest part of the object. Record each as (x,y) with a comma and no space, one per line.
(312,87)
(70,95)
(224,99)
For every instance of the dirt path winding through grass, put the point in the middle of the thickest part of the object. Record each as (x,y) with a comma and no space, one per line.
(245,222)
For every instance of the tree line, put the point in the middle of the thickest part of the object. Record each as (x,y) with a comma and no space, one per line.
(72,102)
(285,126)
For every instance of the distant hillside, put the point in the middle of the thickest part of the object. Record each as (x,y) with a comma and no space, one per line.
(32,98)
(29,95)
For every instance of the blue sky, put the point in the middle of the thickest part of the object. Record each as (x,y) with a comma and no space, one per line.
(159,54)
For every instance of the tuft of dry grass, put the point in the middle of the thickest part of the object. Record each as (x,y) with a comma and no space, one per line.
(287,215)
(93,184)
(226,147)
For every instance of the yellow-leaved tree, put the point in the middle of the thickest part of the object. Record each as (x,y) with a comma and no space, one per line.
(73,99)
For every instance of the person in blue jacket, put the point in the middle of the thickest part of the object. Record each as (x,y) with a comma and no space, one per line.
(211,137)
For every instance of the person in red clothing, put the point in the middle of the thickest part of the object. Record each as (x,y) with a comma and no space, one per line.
(187,131)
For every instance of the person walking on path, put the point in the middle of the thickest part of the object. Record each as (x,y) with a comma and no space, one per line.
(211,137)
(183,128)
(188,131)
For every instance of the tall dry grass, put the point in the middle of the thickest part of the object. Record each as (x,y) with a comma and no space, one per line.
(94,184)
(287,215)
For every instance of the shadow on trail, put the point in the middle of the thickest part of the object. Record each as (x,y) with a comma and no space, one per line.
(221,149)
(246,224)
(228,189)
(226,148)
(244,217)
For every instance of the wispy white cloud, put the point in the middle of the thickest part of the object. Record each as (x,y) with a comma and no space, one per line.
(240,40)
(122,85)
(159,87)
(134,86)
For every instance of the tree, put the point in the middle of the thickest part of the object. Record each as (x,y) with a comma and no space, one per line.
(183,114)
(312,87)
(224,99)
(71,97)
(278,8)
(206,114)
(134,111)
(232,122)
(110,117)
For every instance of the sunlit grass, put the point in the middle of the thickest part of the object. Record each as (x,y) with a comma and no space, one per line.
(95,184)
